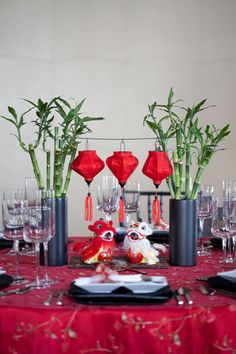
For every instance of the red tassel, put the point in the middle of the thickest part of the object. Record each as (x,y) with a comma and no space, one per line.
(88,208)
(121,210)
(156,210)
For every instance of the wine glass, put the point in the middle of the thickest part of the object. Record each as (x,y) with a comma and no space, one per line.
(30,188)
(131,199)
(49,200)
(204,211)
(108,196)
(14,210)
(39,228)
(220,224)
(229,194)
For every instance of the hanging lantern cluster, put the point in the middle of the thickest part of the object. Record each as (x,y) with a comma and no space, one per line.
(122,164)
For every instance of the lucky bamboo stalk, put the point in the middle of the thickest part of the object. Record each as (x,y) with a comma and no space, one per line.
(35,167)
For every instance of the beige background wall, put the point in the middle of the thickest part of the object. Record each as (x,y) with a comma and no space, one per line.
(121,55)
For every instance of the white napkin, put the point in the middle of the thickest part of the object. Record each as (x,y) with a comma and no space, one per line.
(2,271)
(229,275)
(119,278)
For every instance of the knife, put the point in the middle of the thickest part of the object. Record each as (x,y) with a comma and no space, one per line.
(16,291)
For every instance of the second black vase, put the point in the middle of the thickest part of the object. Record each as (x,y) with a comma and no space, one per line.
(183,232)
(58,245)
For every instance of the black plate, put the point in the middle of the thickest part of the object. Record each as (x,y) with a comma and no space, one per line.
(120,296)
(8,244)
(219,282)
(216,242)
(5,280)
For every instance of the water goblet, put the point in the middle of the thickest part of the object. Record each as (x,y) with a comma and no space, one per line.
(39,228)
(131,199)
(220,224)
(204,211)
(30,189)
(229,194)
(108,196)
(49,200)
(14,210)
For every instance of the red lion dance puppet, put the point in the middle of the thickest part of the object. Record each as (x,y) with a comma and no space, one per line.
(100,248)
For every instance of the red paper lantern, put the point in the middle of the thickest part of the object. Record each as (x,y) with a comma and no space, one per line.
(122,164)
(157,167)
(88,164)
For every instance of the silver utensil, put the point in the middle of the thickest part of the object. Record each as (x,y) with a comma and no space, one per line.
(59,298)
(49,299)
(18,291)
(178,298)
(210,291)
(186,293)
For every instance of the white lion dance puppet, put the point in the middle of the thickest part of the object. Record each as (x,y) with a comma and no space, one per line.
(138,248)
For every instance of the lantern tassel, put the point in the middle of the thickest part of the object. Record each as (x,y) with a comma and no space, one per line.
(88,207)
(121,210)
(156,210)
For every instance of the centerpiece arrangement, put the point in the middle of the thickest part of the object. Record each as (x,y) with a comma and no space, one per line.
(193,148)
(58,125)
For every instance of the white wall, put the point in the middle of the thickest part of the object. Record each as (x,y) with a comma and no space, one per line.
(121,55)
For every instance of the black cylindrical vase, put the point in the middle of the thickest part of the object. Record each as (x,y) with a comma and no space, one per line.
(183,232)
(58,245)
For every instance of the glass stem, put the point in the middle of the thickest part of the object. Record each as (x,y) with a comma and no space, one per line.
(224,247)
(37,251)
(45,247)
(201,225)
(234,250)
(229,248)
(16,249)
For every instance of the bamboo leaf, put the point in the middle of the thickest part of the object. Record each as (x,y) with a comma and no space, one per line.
(13,112)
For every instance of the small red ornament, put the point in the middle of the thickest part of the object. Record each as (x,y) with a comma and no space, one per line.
(122,164)
(88,164)
(157,167)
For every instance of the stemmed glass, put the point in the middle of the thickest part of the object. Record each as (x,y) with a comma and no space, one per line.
(108,196)
(131,199)
(204,211)
(30,188)
(14,210)
(39,228)
(229,195)
(49,200)
(220,224)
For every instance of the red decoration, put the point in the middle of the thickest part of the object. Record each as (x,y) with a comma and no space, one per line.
(88,164)
(122,164)
(157,167)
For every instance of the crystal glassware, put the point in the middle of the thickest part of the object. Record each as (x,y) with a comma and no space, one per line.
(204,211)
(108,196)
(220,224)
(229,195)
(49,200)
(131,199)
(14,211)
(39,228)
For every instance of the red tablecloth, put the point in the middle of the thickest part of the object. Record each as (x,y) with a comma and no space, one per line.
(207,326)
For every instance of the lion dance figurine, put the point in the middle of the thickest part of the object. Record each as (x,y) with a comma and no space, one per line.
(138,248)
(100,248)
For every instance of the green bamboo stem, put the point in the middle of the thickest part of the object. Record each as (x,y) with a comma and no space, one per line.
(170,186)
(68,175)
(197,181)
(187,173)
(176,174)
(48,169)
(57,173)
(35,167)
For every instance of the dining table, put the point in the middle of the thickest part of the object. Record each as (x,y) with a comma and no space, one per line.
(29,326)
